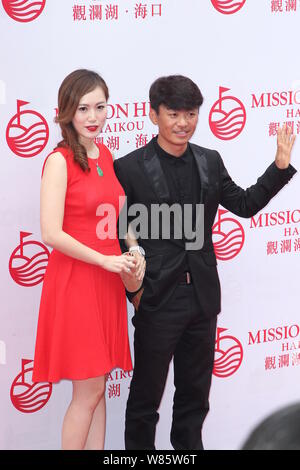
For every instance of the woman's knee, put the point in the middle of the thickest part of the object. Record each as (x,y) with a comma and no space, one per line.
(89,393)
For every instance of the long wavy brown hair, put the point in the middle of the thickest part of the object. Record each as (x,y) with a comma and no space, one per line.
(73,88)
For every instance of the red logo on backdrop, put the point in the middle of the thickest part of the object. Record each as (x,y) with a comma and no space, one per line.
(228,7)
(23,10)
(228,236)
(228,354)
(27,132)
(26,396)
(227,117)
(28,262)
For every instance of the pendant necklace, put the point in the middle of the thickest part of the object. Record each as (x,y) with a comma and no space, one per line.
(99,170)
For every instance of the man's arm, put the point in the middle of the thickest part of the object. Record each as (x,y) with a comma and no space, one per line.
(246,203)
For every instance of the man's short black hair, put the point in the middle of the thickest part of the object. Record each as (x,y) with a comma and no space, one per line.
(279,431)
(175,92)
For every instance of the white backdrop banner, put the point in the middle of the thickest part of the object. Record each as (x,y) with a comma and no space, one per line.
(243,56)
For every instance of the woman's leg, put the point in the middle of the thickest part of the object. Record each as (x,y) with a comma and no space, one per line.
(96,435)
(87,394)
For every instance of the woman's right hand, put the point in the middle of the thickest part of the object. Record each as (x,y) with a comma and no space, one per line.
(118,264)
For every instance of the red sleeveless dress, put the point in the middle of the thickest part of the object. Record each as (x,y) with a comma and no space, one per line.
(82,326)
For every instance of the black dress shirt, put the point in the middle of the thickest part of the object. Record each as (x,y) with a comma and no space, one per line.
(183,181)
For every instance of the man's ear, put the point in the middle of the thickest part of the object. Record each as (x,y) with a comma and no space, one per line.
(153,116)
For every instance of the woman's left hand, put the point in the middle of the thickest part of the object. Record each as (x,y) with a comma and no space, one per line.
(140,266)
(133,279)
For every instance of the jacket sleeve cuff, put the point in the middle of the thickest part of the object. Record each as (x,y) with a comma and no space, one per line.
(287,173)
(130,295)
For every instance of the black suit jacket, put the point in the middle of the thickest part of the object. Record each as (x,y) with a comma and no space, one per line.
(143,180)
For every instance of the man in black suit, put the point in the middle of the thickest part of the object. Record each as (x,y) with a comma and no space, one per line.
(176,309)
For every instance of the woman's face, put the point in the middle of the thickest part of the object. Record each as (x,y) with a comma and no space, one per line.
(90,115)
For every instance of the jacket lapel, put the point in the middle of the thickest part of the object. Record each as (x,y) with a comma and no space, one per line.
(156,176)
(155,173)
(201,162)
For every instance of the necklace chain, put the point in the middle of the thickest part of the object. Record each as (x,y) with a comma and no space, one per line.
(99,170)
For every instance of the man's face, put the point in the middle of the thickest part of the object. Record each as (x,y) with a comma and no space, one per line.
(175,127)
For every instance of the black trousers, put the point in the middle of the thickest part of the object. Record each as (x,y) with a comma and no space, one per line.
(179,331)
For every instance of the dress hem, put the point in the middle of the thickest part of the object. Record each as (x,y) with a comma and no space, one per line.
(89,376)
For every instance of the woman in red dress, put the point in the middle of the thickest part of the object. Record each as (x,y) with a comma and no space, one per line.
(82,328)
